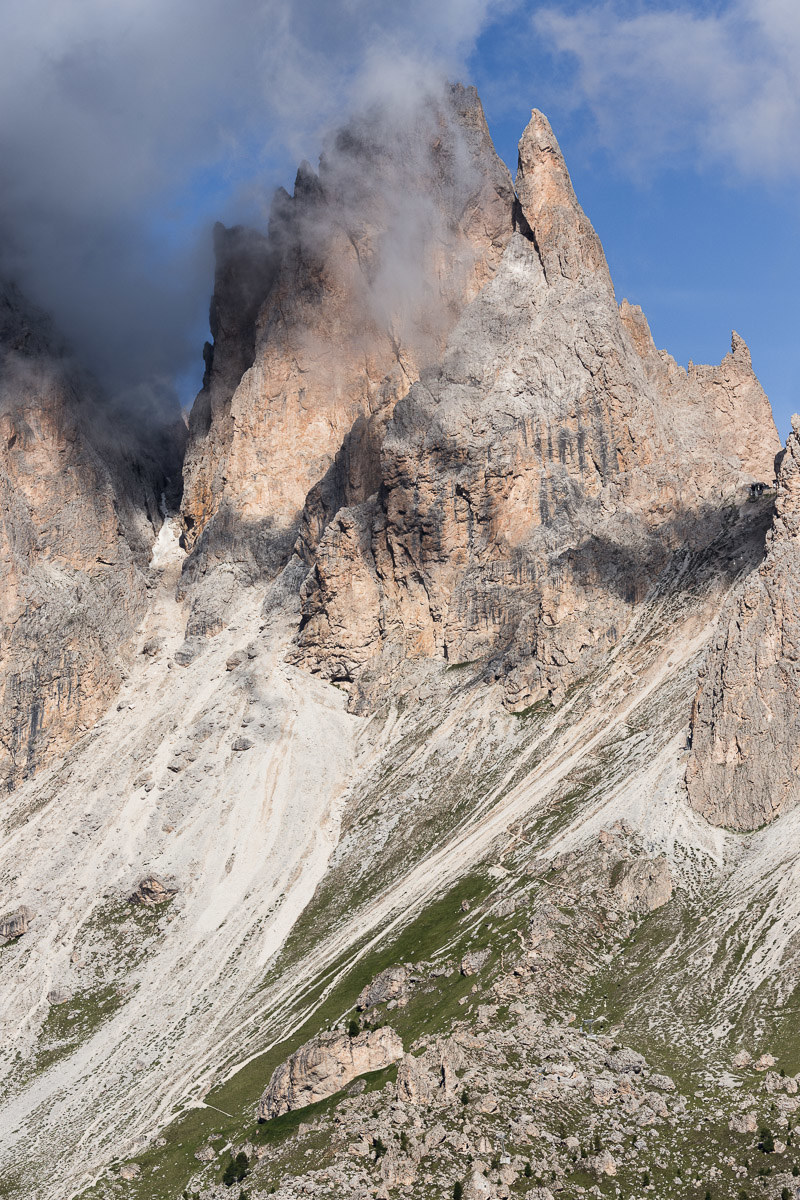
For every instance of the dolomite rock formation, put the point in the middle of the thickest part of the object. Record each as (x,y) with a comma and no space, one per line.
(744,767)
(321,327)
(643,885)
(325,1065)
(151,891)
(79,504)
(389,985)
(15,924)
(531,491)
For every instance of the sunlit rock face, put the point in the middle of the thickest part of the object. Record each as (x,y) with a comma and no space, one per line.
(323,325)
(80,503)
(744,769)
(531,490)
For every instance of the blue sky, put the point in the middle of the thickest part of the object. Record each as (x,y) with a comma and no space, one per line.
(127,129)
(702,241)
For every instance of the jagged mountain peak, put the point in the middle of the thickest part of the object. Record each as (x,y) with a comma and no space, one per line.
(470,911)
(564,236)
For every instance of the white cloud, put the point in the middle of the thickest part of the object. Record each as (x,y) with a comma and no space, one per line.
(126,127)
(672,83)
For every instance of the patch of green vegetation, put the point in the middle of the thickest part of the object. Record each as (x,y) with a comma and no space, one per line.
(67,1025)
(542,708)
(167,1169)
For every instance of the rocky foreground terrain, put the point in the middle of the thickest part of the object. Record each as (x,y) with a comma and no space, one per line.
(406,803)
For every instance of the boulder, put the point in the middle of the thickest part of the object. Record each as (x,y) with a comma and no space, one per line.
(325,1065)
(478,1187)
(625,1061)
(602,1164)
(743,1123)
(474,961)
(389,985)
(151,891)
(642,885)
(15,924)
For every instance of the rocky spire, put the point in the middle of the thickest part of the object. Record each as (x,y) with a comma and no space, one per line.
(531,490)
(744,769)
(375,257)
(567,243)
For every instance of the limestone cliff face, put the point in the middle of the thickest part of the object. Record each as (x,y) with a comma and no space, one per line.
(324,1066)
(744,768)
(365,271)
(77,516)
(531,490)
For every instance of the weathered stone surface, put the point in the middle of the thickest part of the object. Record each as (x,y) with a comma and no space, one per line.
(431,1075)
(744,767)
(151,891)
(474,961)
(743,1123)
(389,985)
(79,497)
(533,489)
(642,885)
(602,1164)
(325,1065)
(15,924)
(327,323)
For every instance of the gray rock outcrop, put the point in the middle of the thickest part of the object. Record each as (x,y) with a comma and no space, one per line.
(532,490)
(80,490)
(151,891)
(389,985)
(15,924)
(321,327)
(642,885)
(325,1065)
(744,767)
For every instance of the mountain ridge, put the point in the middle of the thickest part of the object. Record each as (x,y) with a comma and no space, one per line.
(421,732)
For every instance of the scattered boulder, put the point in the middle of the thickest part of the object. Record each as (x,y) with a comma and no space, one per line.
(151,648)
(205,1154)
(602,1164)
(130,1171)
(474,961)
(325,1065)
(765,1062)
(242,743)
(743,1123)
(186,653)
(478,1187)
(389,985)
(58,995)
(235,660)
(151,891)
(742,1059)
(773,1082)
(625,1061)
(663,1083)
(15,924)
